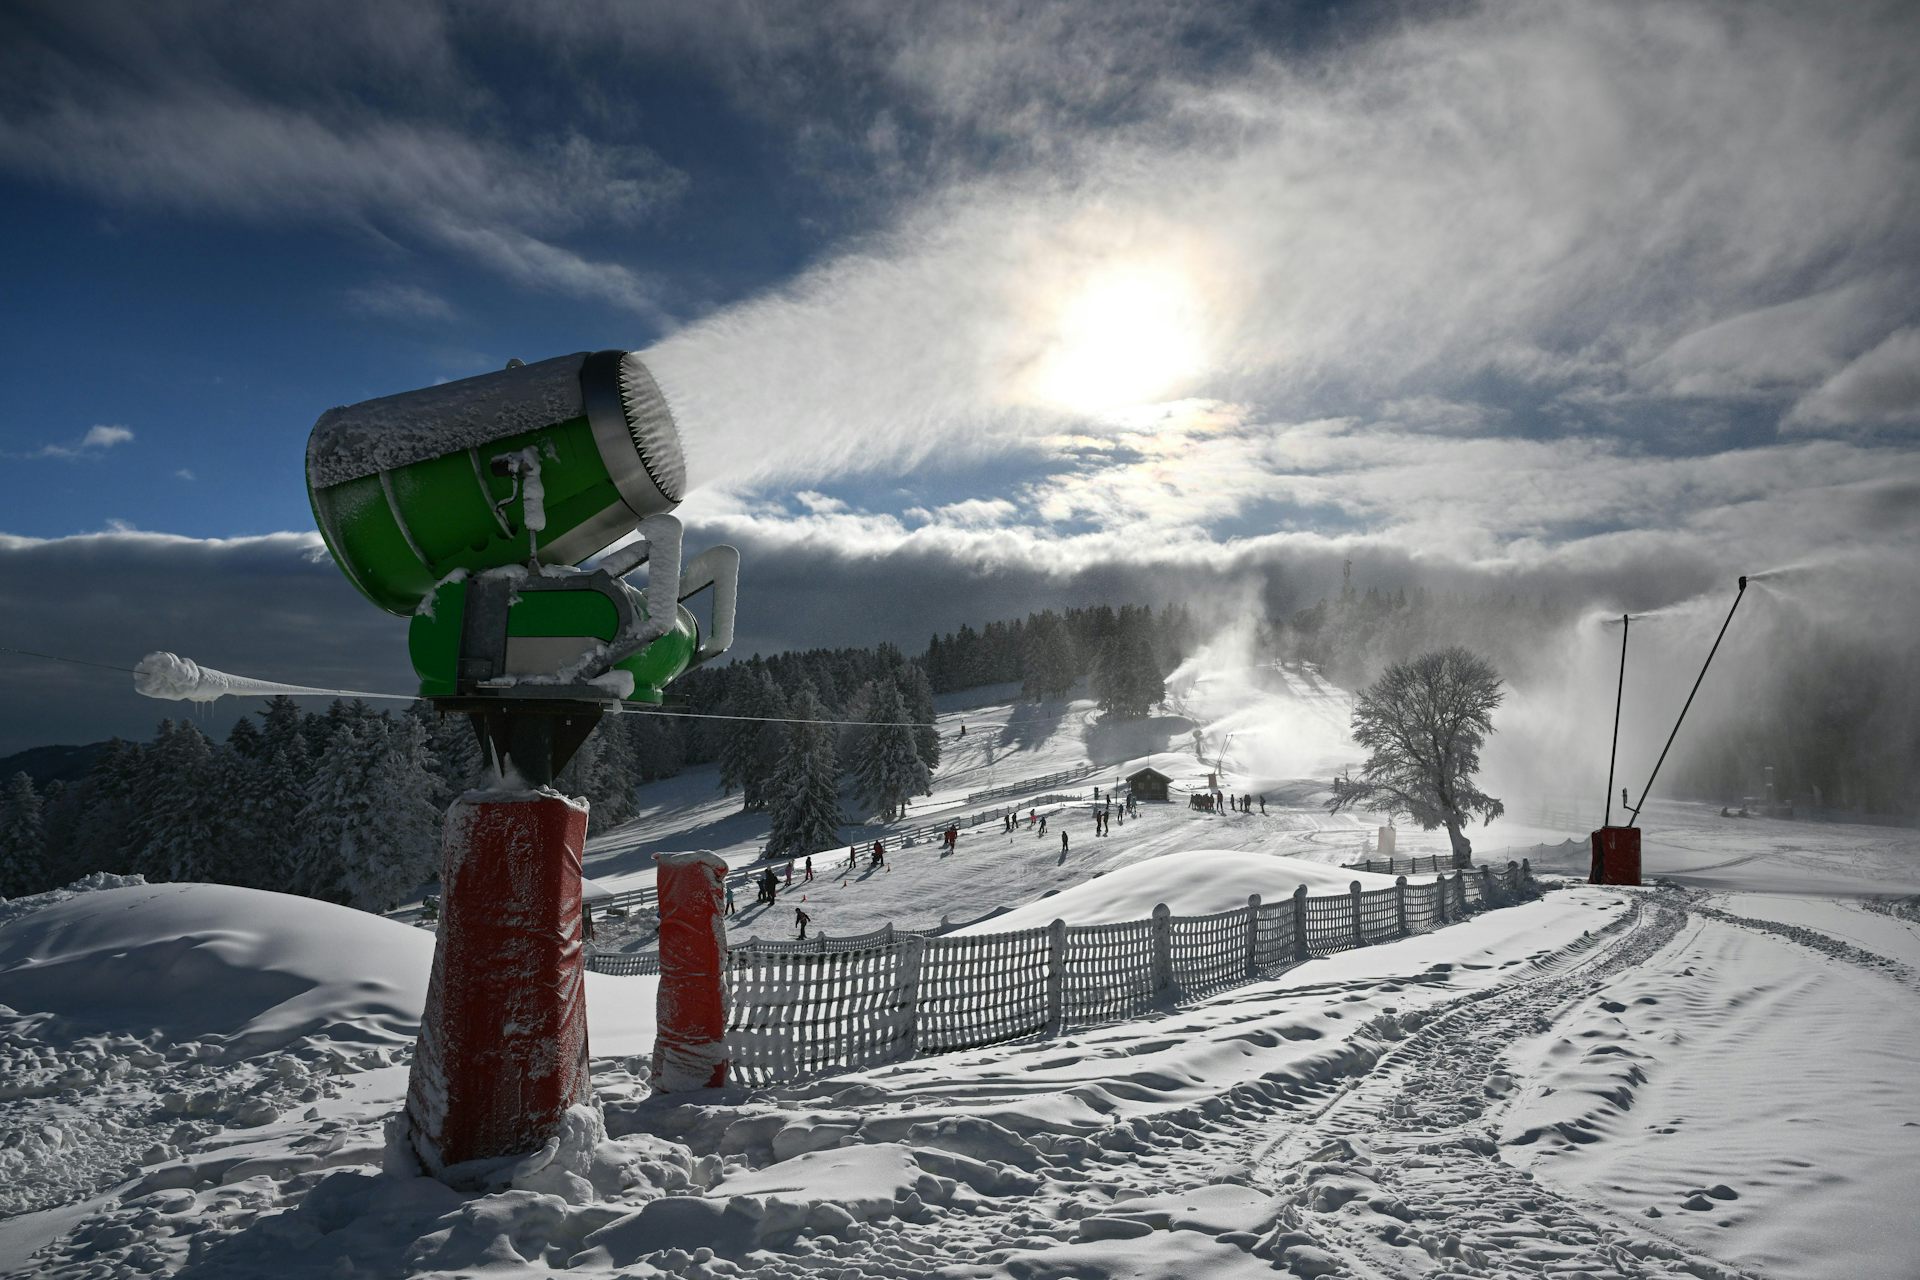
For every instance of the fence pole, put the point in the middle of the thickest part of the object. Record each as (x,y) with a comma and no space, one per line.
(1486,885)
(1300,950)
(1162,950)
(1056,977)
(1400,902)
(1442,882)
(1253,935)
(910,957)
(1526,872)
(1359,931)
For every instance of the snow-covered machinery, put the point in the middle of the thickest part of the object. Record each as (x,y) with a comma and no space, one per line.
(470,506)
(473,508)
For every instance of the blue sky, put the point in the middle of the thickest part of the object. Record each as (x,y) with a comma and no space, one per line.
(1006,295)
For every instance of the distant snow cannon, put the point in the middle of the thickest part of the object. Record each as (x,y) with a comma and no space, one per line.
(1616,850)
(469,506)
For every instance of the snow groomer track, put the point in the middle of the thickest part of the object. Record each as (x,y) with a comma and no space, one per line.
(1398,1174)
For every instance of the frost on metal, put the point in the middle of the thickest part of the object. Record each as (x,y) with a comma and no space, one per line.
(691,1050)
(394,431)
(503,1042)
(176,679)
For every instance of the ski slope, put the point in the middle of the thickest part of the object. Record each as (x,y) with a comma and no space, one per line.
(1709,1079)
(1283,733)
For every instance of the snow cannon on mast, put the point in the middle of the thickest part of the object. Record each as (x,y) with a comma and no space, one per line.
(474,509)
(1616,850)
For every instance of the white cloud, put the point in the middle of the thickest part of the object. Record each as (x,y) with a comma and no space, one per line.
(1880,389)
(97,440)
(1604,205)
(396,300)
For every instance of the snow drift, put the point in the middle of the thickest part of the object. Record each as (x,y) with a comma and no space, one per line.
(240,967)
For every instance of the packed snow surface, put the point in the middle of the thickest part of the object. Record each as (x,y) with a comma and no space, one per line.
(1195,883)
(1708,1079)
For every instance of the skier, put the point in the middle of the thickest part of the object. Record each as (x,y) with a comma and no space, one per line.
(853,857)
(801,918)
(1043,826)
(1063,844)
(809,866)
(770,887)
(730,907)
(1033,816)
(1263,806)
(879,854)
(789,872)
(963,731)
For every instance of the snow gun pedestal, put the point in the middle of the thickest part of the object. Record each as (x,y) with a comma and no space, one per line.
(1616,856)
(503,1040)
(691,1051)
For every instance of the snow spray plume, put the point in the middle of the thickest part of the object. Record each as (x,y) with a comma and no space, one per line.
(1819,679)
(1235,243)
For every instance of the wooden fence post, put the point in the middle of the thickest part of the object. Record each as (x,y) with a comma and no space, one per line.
(1253,935)
(1526,873)
(1400,902)
(1300,949)
(1442,883)
(1359,931)
(1056,977)
(1486,885)
(1162,950)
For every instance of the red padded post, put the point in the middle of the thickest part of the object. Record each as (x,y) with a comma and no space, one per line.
(503,1040)
(691,1049)
(1616,856)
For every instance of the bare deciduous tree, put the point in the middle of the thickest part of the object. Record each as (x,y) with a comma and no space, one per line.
(1423,723)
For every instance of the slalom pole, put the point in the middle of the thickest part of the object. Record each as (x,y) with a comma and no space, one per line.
(1634,817)
(1617,696)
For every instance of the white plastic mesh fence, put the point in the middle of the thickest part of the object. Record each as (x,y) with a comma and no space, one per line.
(796,1014)
(982,990)
(1210,952)
(1109,973)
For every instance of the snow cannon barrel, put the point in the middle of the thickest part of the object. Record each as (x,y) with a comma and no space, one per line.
(543,463)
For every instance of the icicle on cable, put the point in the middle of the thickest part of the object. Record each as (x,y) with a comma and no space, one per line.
(171,677)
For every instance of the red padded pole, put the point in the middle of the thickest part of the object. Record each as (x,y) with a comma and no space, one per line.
(503,1041)
(691,1051)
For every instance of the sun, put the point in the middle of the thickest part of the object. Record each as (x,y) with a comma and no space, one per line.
(1127,335)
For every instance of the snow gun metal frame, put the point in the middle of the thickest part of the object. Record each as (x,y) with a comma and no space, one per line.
(471,508)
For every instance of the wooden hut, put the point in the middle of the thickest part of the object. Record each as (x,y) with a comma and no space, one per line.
(1149,784)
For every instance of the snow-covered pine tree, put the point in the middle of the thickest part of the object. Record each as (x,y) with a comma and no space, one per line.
(22,868)
(1050,664)
(401,851)
(751,752)
(174,831)
(916,696)
(369,833)
(103,837)
(454,748)
(889,768)
(805,793)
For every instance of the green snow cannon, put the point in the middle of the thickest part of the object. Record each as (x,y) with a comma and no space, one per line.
(468,507)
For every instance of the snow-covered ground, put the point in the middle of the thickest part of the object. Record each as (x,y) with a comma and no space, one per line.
(1281,733)
(1713,1078)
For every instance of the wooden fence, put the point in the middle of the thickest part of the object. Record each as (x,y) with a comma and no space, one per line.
(1031,785)
(799,1009)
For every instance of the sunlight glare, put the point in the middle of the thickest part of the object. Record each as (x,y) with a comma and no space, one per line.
(1128,336)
